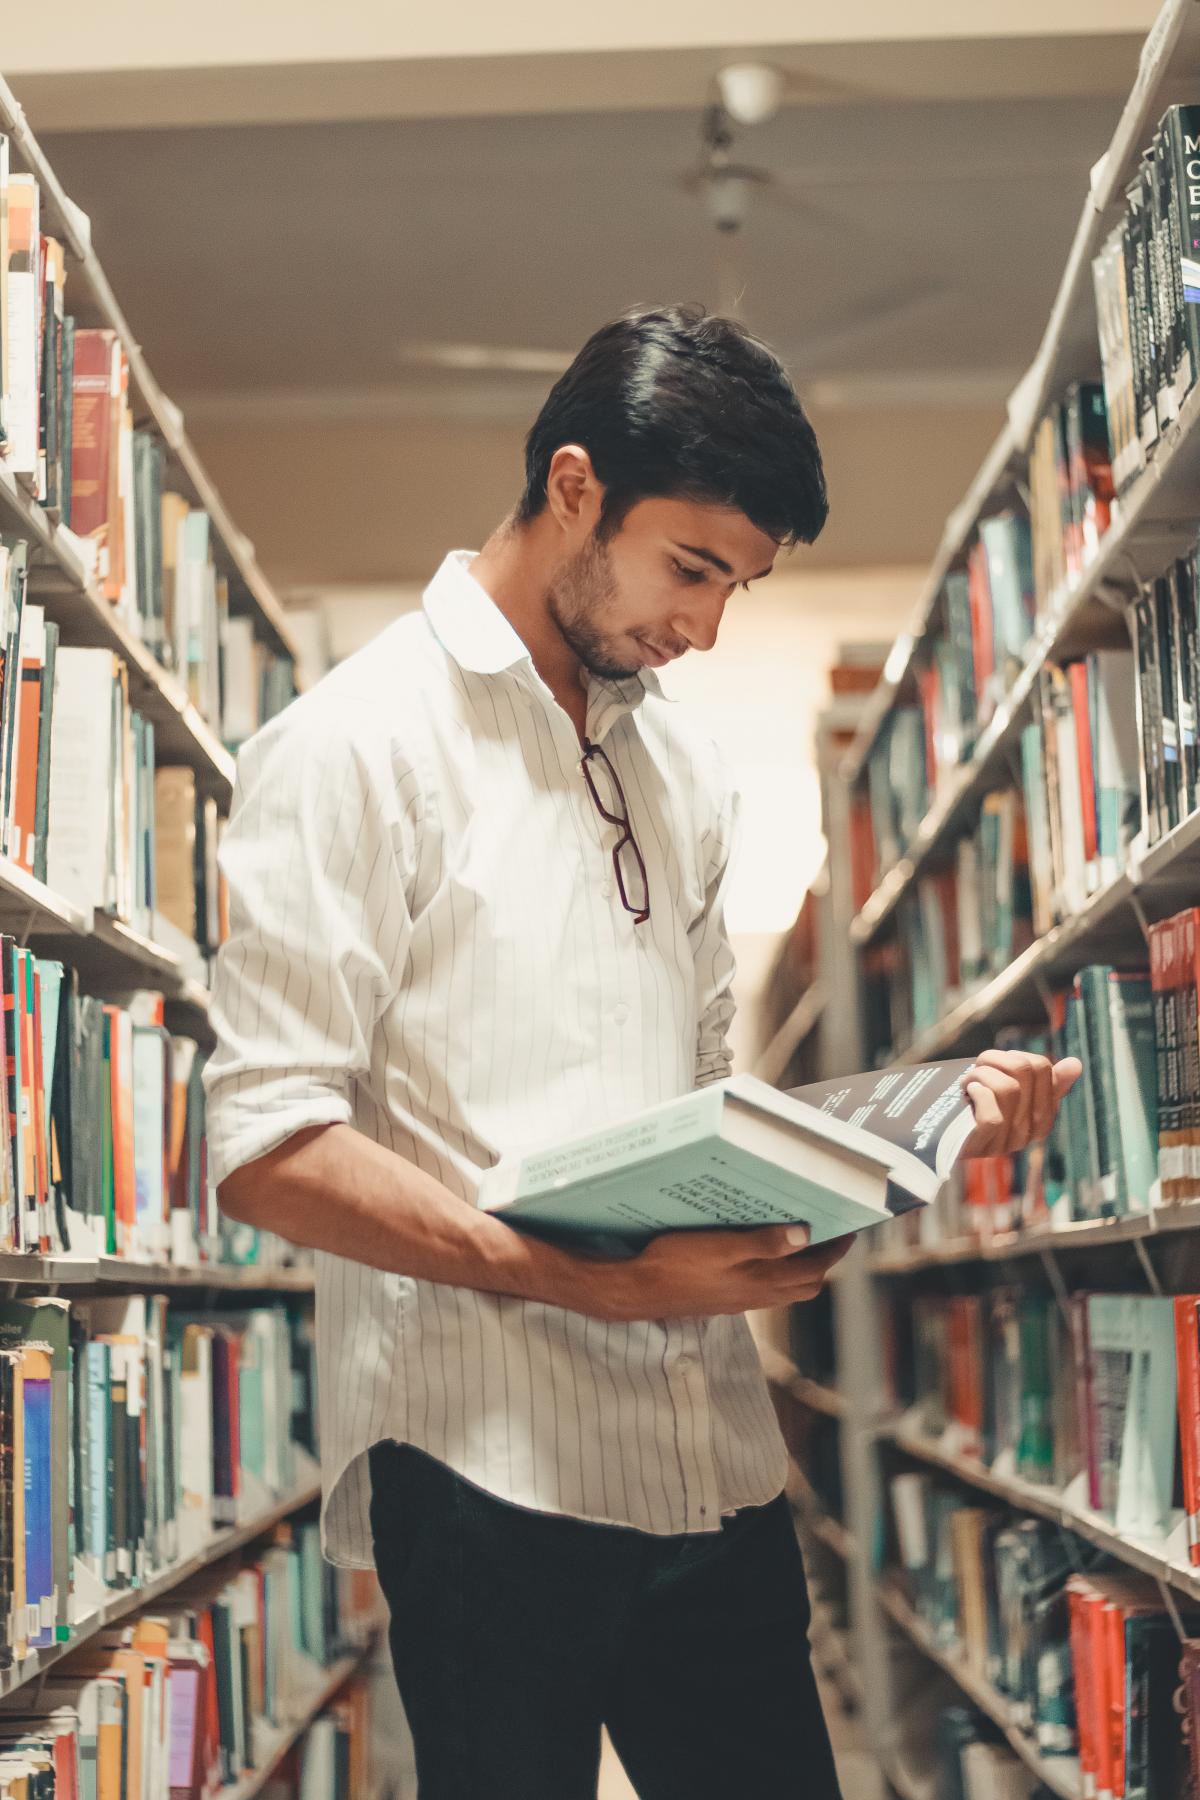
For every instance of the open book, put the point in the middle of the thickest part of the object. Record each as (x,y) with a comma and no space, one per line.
(836,1156)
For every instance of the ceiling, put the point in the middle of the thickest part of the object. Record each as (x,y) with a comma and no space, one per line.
(903,262)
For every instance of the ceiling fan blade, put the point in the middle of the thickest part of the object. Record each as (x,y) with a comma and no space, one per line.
(487,359)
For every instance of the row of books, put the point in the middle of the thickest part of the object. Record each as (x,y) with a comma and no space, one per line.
(130,1430)
(1070,489)
(331,1761)
(1147,286)
(102,1131)
(191,1696)
(67,435)
(1099,1399)
(1127,1137)
(982,624)
(1110,752)
(973,1766)
(1087,1657)
(83,806)
(957,925)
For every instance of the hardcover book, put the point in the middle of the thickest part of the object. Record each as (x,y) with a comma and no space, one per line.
(837,1156)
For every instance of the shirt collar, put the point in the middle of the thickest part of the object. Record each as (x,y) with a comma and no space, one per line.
(471,628)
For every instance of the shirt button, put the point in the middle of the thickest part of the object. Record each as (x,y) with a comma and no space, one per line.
(620,1013)
(685,1361)
(606,888)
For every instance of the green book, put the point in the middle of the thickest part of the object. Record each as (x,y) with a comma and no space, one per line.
(741,1154)
(1134,1099)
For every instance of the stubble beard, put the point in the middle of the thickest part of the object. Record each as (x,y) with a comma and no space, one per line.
(583,589)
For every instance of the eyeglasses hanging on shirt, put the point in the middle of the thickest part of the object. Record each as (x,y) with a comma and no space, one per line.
(609,796)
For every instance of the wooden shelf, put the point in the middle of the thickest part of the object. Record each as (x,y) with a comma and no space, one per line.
(1161,879)
(63,219)
(128,1600)
(781,1372)
(1149,1556)
(272,1753)
(815,1519)
(60,582)
(1079,1234)
(108,953)
(1059,1773)
(800,1023)
(120,1271)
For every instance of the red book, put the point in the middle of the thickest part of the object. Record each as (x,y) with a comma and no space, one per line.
(1078,1599)
(1077,676)
(94,403)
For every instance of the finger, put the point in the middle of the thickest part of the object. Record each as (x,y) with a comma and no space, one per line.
(1066,1073)
(985,1103)
(1043,1097)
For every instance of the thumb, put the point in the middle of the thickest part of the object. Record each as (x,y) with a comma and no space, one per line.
(1066,1073)
(773,1241)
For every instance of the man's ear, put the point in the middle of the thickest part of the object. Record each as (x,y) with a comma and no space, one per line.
(574,494)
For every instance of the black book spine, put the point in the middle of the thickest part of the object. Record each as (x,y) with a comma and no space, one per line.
(118,1465)
(1141,320)
(1181,132)
(1147,697)
(1183,596)
(68,414)
(1162,292)
(1168,722)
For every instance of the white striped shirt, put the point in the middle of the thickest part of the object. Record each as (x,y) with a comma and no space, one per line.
(427,943)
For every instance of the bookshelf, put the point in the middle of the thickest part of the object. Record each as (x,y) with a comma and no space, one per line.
(1155,1251)
(71,225)
(118,1606)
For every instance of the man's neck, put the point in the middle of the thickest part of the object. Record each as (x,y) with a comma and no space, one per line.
(516,572)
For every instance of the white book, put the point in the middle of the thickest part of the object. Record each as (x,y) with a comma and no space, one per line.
(195,1438)
(23,304)
(81,776)
(240,717)
(1117,754)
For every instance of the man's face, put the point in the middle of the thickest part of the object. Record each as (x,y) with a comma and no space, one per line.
(658,586)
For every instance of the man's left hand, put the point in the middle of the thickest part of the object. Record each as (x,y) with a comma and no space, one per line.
(1015,1096)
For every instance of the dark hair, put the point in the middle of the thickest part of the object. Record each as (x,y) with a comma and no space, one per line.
(671,400)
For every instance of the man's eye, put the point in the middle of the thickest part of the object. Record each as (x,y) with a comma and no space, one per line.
(686,574)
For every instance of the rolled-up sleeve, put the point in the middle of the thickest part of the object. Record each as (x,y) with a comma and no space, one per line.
(313,858)
(714,958)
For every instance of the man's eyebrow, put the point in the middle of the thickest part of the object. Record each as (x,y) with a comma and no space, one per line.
(710,556)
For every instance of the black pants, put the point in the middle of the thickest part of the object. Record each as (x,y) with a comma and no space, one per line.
(515,1635)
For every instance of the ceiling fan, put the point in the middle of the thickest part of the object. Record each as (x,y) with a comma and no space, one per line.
(729,188)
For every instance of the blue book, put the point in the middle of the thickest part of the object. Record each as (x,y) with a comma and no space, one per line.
(39,1530)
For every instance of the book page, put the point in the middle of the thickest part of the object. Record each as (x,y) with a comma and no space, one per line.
(920,1115)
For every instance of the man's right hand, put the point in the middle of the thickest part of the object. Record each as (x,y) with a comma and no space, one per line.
(698,1274)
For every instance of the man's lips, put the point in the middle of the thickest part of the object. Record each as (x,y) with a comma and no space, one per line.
(657,658)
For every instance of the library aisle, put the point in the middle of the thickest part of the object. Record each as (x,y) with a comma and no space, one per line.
(282,293)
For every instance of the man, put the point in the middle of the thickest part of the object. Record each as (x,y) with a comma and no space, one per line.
(476,881)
